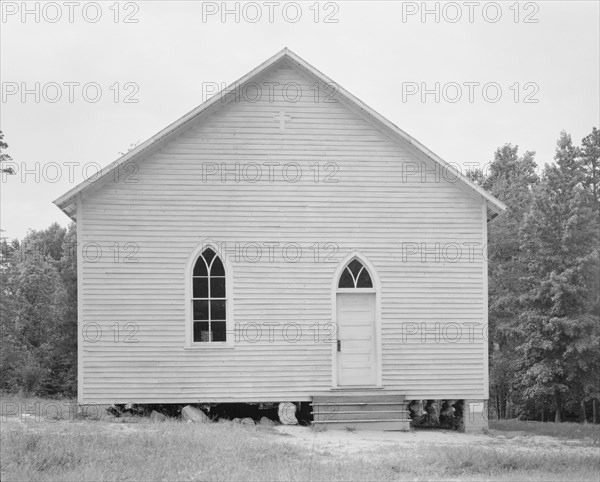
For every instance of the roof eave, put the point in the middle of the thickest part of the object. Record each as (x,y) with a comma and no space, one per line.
(63,201)
(499,205)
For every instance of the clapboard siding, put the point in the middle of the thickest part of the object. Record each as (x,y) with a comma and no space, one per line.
(172,203)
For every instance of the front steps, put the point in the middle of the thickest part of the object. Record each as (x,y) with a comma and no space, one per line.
(374,409)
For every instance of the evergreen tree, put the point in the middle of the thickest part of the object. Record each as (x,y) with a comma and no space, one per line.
(559,324)
(509,178)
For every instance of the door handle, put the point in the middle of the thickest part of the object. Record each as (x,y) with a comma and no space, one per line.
(339,345)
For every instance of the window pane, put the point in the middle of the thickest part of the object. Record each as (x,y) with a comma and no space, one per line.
(364,280)
(346,280)
(217,268)
(200,310)
(217,287)
(218,329)
(217,310)
(208,254)
(209,291)
(200,288)
(200,268)
(355,266)
(201,332)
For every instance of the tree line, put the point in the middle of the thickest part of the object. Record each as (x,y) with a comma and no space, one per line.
(544,291)
(544,282)
(38,309)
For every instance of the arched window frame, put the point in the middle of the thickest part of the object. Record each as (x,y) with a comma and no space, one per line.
(366,265)
(189,312)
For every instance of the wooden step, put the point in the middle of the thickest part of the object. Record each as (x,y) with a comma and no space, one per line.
(367,398)
(361,409)
(357,415)
(357,407)
(356,390)
(377,425)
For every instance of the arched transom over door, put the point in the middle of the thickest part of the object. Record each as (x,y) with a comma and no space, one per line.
(356,317)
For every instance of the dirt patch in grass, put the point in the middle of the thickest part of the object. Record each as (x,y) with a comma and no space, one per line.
(110,450)
(565,430)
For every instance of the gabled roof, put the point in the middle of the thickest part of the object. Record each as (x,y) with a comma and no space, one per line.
(67,202)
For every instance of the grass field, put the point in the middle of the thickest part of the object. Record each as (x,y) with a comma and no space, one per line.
(64,449)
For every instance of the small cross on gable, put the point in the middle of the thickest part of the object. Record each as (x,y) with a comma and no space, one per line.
(282,117)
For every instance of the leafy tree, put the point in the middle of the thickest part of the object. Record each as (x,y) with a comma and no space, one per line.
(560,322)
(4,157)
(509,177)
(39,313)
(544,284)
(46,243)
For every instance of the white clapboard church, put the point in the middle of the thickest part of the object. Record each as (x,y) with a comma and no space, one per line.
(283,242)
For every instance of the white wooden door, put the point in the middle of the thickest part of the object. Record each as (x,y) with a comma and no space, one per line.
(356,358)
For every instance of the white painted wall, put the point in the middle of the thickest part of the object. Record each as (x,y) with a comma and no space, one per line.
(376,206)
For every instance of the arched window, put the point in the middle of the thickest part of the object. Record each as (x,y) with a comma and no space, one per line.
(355,275)
(209,298)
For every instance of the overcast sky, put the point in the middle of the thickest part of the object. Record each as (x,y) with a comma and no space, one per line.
(543,56)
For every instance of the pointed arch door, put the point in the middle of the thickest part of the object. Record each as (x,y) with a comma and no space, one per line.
(356,320)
